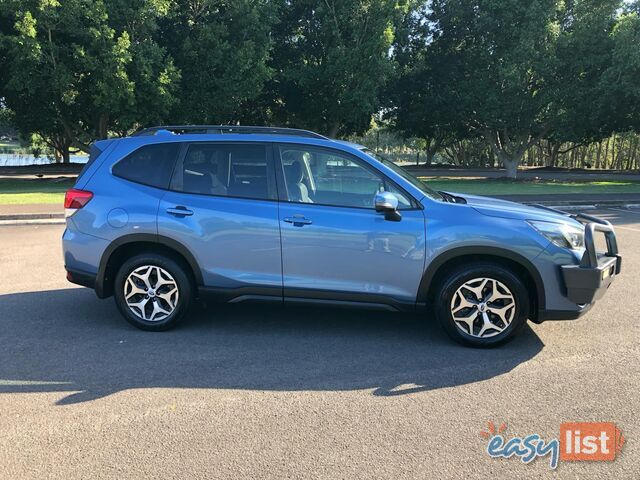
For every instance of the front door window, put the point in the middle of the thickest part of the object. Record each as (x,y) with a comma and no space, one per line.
(328,177)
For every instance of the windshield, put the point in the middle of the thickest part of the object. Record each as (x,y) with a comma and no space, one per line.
(420,185)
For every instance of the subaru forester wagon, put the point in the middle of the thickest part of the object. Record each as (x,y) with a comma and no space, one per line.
(172,213)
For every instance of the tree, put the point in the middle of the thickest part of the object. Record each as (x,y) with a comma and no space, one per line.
(331,60)
(595,75)
(416,106)
(499,58)
(72,77)
(619,84)
(514,72)
(152,70)
(221,48)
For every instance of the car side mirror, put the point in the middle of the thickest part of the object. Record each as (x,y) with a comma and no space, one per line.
(387,203)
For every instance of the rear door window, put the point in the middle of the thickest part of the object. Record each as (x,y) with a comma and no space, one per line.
(231,170)
(150,165)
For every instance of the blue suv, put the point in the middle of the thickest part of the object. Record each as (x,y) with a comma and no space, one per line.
(289,216)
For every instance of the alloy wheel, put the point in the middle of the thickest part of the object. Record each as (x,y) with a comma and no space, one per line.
(151,293)
(483,307)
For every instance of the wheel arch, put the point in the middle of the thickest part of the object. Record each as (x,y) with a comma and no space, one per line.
(461,255)
(128,245)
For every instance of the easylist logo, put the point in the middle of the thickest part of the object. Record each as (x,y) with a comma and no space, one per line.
(578,441)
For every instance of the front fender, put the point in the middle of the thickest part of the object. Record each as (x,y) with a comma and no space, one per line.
(457,230)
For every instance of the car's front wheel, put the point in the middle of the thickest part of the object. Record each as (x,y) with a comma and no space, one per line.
(152,292)
(482,304)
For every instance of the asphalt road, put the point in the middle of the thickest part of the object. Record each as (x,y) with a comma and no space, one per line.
(257,392)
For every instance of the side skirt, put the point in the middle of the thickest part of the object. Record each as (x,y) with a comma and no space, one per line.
(306,297)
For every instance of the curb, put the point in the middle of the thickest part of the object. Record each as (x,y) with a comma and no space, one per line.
(32,221)
(16,219)
(31,216)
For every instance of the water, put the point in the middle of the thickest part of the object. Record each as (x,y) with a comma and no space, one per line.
(20,159)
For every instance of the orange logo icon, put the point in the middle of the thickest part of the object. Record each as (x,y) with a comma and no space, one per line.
(591,441)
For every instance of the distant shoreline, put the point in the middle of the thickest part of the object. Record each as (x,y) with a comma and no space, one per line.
(19,160)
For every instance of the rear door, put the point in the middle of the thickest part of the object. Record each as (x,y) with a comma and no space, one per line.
(222,206)
(334,244)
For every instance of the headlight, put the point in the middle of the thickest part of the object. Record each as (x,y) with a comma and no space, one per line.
(562,234)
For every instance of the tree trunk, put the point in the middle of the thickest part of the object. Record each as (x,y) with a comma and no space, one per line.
(613,152)
(103,125)
(554,154)
(429,158)
(333,131)
(509,150)
(510,167)
(632,154)
(64,153)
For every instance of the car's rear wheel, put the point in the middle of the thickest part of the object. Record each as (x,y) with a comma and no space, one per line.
(152,292)
(482,304)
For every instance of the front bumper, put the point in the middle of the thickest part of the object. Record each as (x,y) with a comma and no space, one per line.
(583,284)
(588,281)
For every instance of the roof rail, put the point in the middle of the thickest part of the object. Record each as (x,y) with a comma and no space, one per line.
(222,129)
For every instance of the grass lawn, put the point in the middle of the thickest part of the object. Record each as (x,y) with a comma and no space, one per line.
(23,191)
(6,145)
(523,187)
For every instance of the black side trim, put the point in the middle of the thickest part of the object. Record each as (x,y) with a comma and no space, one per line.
(444,257)
(236,295)
(100,286)
(544,315)
(340,303)
(305,294)
(80,277)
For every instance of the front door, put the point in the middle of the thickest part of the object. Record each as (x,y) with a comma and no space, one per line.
(334,244)
(222,206)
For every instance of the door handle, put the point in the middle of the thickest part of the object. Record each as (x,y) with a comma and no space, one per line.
(298,220)
(180,211)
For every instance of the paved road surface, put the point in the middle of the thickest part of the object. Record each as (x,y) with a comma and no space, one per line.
(249,392)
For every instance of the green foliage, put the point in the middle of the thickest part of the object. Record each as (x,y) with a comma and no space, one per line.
(479,81)
(221,48)
(514,72)
(587,82)
(622,102)
(331,60)
(151,69)
(481,69)
(73,76)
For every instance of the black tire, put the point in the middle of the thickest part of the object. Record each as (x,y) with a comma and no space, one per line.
(175,270)
(456,278)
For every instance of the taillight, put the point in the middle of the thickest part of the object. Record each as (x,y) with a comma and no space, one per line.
(74,200)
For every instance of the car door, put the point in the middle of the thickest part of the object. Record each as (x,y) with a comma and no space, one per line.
(334,244)
(222,205)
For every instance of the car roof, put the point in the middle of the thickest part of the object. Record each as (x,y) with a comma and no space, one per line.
(215,133)
(226,129)
(357,146)
(236,132)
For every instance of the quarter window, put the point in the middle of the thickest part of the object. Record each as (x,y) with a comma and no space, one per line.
(150,165)
(331,178)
